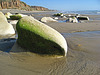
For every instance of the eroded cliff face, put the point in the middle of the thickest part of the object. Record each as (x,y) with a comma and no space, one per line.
(15,4)
(39,8)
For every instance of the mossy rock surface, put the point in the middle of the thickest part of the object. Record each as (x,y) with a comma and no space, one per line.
(15,17)
(39,38)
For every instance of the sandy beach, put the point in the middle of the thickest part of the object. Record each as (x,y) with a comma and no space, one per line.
(83,51)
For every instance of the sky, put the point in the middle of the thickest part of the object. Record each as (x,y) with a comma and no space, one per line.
(68,5)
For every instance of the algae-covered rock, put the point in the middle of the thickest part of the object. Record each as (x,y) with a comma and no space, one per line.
(59,14)
(15,17)
(5,27)
(37,37)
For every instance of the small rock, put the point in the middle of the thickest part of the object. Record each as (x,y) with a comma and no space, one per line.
(13,22)
(72,20)
(8,14)
(48,19)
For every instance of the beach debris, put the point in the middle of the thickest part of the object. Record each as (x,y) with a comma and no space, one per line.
(72,20)
(8,14)
(39,38)
(5,27)
(48,19)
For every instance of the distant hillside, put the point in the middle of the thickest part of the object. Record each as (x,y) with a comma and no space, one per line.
(39,8)
(17,4)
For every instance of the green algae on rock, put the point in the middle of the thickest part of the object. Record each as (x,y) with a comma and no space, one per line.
(15,17)
(39,38)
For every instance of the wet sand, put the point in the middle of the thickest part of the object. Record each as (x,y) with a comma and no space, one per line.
(82,58)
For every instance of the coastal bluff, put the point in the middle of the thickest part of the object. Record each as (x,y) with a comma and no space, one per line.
(17,4)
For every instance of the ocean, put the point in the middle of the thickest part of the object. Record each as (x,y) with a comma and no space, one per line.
(86,12)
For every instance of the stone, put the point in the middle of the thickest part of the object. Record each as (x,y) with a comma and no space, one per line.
(22,15)
(82,17)
(37,37)
(72,20)
(15,17)
(59,14)
(7,15)
(2,17)
(5,27)
(56,18)
(48,19)
(13,22)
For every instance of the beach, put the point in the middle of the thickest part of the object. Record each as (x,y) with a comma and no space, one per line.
(82,58)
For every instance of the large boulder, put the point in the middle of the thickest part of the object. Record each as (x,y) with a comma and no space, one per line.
(48,19)
(5,27)
(39,38)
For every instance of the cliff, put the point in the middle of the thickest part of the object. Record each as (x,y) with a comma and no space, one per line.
(39,8)
(17,4)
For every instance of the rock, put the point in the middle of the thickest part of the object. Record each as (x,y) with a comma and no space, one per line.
(72,20)
(48,19)
(2,17)
(59,14)
(39,38)
(64,17)
(56,18)
(82,17)
(15,17)
(7,15)
(5,27)
(13,22)
(22,15)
